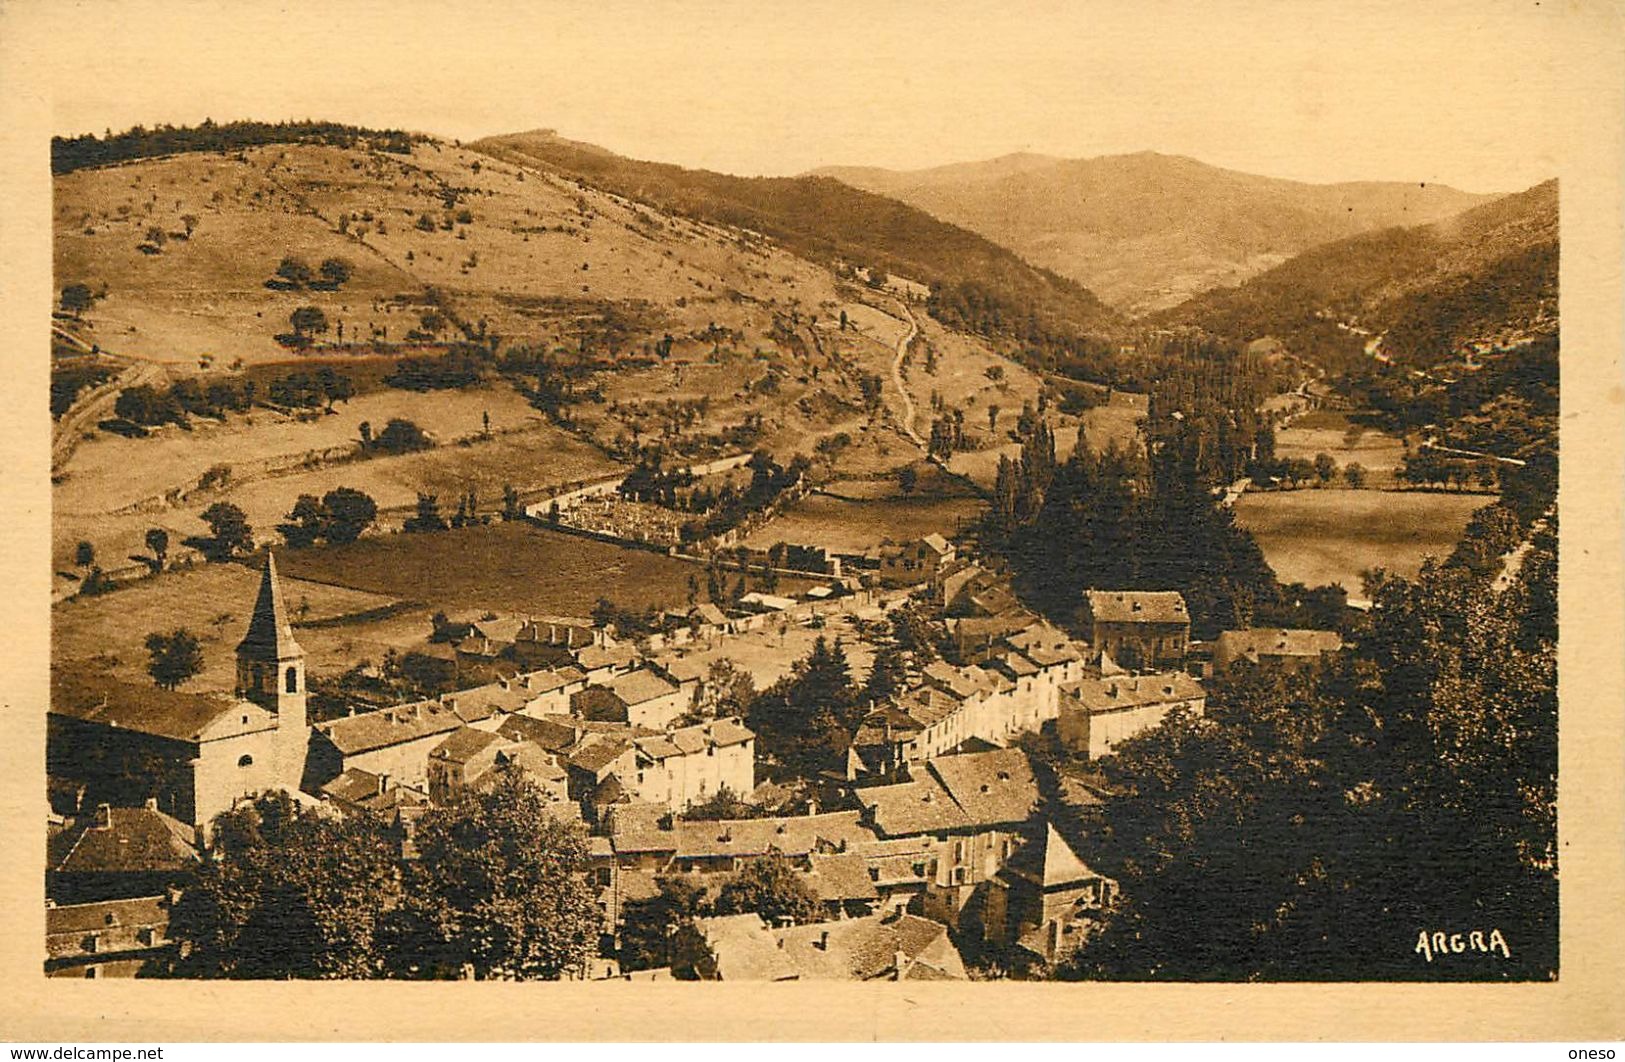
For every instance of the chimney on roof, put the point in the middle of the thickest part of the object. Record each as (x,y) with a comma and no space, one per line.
(1134,607)
(152,803)
(823,940)
(899,964)
(383,784)
(104,816)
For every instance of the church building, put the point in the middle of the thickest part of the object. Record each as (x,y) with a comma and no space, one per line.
(193,754)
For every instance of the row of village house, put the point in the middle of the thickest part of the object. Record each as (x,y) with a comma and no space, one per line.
(601,734)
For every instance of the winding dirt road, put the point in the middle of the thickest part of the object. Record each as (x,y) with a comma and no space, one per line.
(897,377)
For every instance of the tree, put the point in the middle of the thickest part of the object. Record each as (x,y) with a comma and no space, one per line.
(288,893)
(1325,468)
(158,543)
(511,508)
(189,222)
(1355,475)
(294,270)
(174,658)
(427,517)
(498,889)
(649,926)
(402,436)
(730,687)
(769,886)
(305,523)
(887,677)
(907,479)
(229,528)
(992,418)
(84,555)
(76,298)
(349,512)
(308,321)
(336,271)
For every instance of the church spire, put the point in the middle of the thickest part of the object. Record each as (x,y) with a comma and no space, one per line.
(270,635)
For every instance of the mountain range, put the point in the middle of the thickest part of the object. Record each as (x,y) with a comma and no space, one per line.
(1146,231)
(1413,293)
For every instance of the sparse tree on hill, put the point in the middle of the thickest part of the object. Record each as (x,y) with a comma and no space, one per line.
(401,437)
(427,517)
(511,509)
(230,529)
(992,418)
(84,555)
(158,543)
(76,298)
(336,271)
(349,512)
(1354,474)
(907,479)
(308,321)
(189,222)
(294,270)
(174,658)
(1325,468)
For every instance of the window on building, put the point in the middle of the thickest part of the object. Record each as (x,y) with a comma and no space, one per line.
(245,761)
(293,680)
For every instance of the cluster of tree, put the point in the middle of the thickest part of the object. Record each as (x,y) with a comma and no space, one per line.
(628,622)
(150,406)
(81,152)
(947,434)
(768,480)
(1312,825)
(339,516)
(769,886)
(295,273)
(1122,521)
(650,481)
(311,390)
(427,516)
(1296,471)
(498,890)
(1429,468)
(455,369)
(69,381)
(804,722)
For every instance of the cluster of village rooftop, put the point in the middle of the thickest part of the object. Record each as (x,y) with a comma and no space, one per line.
(932,838)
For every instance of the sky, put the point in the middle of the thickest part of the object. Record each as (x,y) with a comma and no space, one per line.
(1310,90)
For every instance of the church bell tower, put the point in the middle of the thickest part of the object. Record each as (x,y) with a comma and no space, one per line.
(271,671)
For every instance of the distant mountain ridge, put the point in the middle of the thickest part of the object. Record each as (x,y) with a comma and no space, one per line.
(1146,231)
(828,220)
(1488,275)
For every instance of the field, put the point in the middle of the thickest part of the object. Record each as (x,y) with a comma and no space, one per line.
(514,567)
(213,602)
(1330,432)
(1325,537)
(854,526)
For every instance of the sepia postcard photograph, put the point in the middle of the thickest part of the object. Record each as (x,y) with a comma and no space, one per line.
(1021,501)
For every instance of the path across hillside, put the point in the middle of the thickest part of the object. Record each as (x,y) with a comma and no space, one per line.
(897,377)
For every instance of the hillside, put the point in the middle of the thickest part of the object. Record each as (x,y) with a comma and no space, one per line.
(1488,275)
(1146,231)
(829,221)
(537,328)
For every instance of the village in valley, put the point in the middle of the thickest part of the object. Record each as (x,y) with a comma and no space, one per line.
(509,561)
